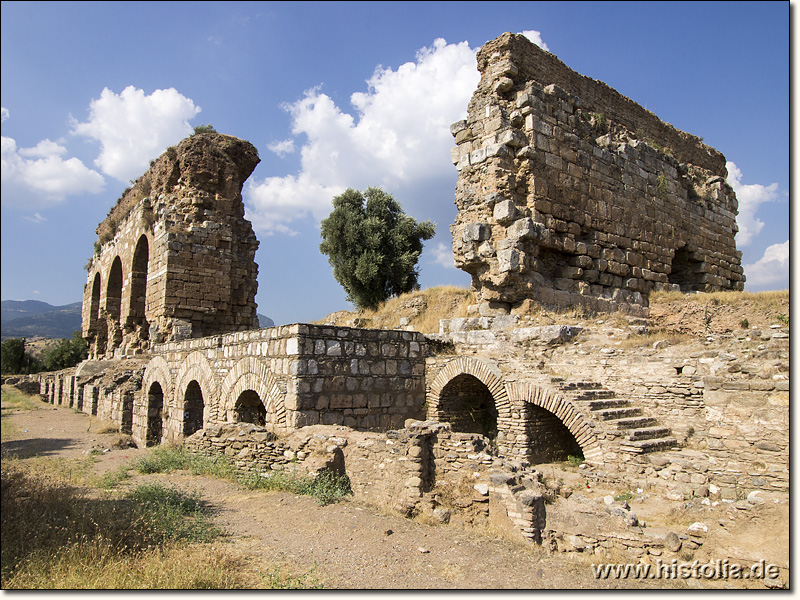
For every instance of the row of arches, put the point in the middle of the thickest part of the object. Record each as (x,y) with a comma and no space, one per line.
(106,323)
(521,418)
(248,393)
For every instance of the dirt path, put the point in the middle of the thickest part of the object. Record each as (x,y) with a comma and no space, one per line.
(348,545)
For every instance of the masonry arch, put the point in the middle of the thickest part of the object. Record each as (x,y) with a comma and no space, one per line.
(114,290)
(94,304)
(157,394)
(195,394)
(251,379)
(138,284)
(552,426)
(469,393)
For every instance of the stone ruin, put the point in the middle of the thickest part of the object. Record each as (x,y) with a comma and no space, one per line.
(175,258)
(571,194)
(568,193)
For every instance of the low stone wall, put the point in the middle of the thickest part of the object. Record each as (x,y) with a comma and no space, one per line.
(422,468)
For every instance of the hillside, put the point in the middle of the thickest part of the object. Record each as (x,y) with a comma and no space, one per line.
(697,314)
(32,319)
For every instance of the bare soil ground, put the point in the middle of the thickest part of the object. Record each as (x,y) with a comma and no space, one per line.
(350,545)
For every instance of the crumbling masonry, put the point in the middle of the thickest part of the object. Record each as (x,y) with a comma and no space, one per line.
(568,193)
(571,194)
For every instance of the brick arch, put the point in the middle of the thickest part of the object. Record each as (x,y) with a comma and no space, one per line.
(251,373)
(196,367)
(564,411)
(484,372)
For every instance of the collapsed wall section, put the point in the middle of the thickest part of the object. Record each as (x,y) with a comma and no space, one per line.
(175,258)
(570,193)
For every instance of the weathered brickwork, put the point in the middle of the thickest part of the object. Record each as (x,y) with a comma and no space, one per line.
(569,193)
(175,258)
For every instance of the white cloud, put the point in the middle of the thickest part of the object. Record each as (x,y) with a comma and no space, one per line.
(282,148)
(4,114)
(536,38)
(40,176)
(750,196)
(771,271)
(443,256)
(35,218)
(133,128)
(399,138)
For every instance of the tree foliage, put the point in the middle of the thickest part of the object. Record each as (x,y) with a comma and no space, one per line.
(60,355)
(209,128)
(373,246)
(65,353)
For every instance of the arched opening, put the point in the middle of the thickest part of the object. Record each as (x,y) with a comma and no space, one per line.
(114,290)
(193,407)
(468,405)
(94,306)
(250,409)
(141,259)
(155,421)
(686,271)
(549,440)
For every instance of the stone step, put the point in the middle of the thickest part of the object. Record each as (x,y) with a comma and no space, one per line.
(648,433)
(636,422)
(579,385)
(610,414)
(647,446)
(595,395)
(601,404)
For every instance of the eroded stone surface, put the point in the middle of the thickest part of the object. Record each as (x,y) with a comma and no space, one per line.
(175,258)
(570,193)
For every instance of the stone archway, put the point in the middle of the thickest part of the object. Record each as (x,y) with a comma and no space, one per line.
(468,382)
(252,375)
(551,425)
(194,400)
(155,417)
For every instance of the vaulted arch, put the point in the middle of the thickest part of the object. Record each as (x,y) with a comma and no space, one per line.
(252,374)
(488,374)
(195,381)
(526,393)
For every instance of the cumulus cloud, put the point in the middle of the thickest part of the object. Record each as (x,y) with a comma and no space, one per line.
(41,176)
(282,147)
(771,271)
(397,137)
(750,197)
(4,114)
(443,256)
(536,38)
(134,128)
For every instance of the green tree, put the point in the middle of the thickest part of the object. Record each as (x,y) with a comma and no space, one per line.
(373,246)
(65,353)
(13,358)
(204,129)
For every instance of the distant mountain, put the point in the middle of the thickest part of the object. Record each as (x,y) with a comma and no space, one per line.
(31,318)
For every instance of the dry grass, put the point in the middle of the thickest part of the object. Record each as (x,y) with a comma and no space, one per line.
(762,300)
(423,308)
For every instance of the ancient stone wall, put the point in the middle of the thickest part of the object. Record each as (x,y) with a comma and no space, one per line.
(175,258)
(570,193)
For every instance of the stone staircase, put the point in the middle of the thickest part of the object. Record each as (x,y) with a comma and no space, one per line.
(637,433)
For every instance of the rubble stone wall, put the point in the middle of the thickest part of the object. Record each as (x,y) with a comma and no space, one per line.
(570,193)
(175,258)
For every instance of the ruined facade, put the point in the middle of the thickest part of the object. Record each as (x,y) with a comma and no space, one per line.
(570,193)
(175,258)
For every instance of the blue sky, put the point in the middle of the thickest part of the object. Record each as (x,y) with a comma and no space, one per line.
(340,94)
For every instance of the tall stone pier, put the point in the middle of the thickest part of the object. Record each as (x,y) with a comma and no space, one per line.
(570,193)
(175,258)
